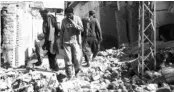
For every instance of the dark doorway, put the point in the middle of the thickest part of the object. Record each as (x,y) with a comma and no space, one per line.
(166,32)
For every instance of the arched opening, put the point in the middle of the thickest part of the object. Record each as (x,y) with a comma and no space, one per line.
(166,32)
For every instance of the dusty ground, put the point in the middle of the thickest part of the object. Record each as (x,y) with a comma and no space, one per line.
(111,71)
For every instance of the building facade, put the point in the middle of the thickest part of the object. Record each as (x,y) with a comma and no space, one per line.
(118,19)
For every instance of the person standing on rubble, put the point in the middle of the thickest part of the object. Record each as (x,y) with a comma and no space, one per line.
(92,37)
(50,31)
(71,29)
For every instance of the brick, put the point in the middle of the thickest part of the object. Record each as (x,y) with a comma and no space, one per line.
(163,89)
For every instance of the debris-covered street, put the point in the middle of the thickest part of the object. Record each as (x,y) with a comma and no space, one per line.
(87,46)
(111,71)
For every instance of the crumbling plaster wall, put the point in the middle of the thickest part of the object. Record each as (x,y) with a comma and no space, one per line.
(105,15)
(163,14)
(113,21)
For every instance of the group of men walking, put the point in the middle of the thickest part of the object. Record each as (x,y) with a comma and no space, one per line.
(78,37)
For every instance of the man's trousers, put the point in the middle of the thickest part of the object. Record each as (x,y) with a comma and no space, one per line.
(90,46)
(73,54)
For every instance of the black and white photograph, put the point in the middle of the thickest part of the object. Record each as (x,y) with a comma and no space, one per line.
(86,46)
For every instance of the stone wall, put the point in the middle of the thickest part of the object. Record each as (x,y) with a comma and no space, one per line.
(9,31)
(83,8)
(22,25)
(30,25)
(106,17)
(163,15)
(134,11)
(108,26)
(113,22)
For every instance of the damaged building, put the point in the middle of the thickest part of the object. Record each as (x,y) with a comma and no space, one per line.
(20,25)
(118,20)
(136,52)
(164,14)
(124,15)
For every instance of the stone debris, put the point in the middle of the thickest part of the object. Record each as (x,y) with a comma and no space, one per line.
(107,73)
(30,81)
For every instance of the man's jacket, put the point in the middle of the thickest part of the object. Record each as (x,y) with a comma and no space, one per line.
(51,30)
(95,29)
(71,34)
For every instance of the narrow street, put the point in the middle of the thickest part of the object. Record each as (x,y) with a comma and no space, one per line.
(136,52)
(112,71)
(106,74)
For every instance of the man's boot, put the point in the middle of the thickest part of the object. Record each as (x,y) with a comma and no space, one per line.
(39,62)
(77,71)
(69,71)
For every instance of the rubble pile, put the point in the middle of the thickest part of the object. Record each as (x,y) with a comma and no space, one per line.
(28,81)
(116,53)
(108,72)
(133,49)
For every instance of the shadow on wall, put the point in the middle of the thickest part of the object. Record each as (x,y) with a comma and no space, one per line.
(109,42)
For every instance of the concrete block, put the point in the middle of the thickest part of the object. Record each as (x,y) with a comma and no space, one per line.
(163,89)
